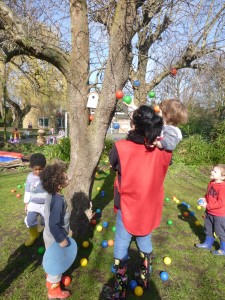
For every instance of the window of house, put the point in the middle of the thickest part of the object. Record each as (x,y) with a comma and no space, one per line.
(59,122)
(43,122)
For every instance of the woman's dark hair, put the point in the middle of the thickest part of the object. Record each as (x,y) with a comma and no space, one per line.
(37,159)
(52,176)
(147,123)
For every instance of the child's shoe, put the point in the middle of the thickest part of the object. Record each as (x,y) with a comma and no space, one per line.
(34,235)
(219,252)
(55,292)
(121,281)
(209,240)
(143,276)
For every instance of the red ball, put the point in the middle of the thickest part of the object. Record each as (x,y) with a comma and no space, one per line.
(185,214)
(91,118)
(119,94)
(66,280)
(93,222)
(18,195)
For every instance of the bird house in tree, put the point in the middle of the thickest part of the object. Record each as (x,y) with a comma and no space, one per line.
(92,100)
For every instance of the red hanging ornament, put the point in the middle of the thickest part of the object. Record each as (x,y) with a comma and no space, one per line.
(173,72)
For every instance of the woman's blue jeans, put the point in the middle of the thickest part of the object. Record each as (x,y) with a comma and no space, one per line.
(123,239)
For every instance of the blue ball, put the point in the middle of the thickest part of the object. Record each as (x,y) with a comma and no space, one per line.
(191,213)
(105,224)
(98,210)
(104,244)
(132,284)
(102,193)
(164,276)
(113,270)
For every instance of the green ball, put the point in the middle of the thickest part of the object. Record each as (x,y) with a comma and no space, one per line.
(114,228)
(151,94)
(167,199)
(169,222)
(127,99)
(19,186)
(41,250)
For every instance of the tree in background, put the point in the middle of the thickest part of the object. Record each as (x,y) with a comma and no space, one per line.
(130,40)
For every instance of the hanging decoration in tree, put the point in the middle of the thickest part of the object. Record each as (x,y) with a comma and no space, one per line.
(91,117)
(173,72)
(127,99)
(151,94)
(116,126)
(119,94)
(136,83)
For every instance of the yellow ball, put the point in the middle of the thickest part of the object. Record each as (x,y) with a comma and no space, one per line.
(99,228)
(197,223)
(138,291)
(83,262)
(98,188)
(199,207)
(85,244)
(167,260)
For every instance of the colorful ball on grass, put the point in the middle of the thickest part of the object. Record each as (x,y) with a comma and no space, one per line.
(66,280)
(93,222)
(191,213)
(105,224)
(170,222)
(19,186)
(113,270)
(199,207)
(167,199)
(185,214)
(18,195)
(114,228)
(151,94)
(127,99)
(167,260)
(41,250)
(138,291)
(85,244)
(110,243)
(119,94)
(98,188)
(83,262)
(99,228)
(13,191)
(197,223)
(132,284)
(164,276)
(104,244)
(102,193)
(98,211)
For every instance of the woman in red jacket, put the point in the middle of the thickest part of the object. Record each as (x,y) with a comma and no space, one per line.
(139,193)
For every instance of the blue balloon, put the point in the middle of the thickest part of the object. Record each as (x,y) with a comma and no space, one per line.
(132,284)
(164,276)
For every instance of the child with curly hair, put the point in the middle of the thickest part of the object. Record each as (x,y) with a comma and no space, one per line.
(34,197)
(57,217)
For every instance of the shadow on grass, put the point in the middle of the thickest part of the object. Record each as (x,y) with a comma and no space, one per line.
(133,266)
(22,258)
(191,219)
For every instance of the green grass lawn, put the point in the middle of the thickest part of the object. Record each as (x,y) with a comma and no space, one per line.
(193,273)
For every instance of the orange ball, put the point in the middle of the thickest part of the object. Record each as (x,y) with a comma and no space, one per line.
(185,214)
(13,191)
(91,117)
(157,108)
(66,280)
(110,243)
(18,195)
